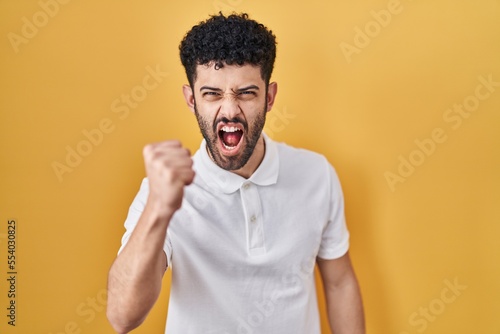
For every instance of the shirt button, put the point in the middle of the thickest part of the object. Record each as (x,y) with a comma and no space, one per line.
(253,219)
(246,186)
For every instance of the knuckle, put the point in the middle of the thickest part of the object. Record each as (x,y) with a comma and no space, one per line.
(147,149)
(158,164)
(174,143)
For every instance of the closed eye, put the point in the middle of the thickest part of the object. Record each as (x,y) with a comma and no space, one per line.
(247,94)
(211,95)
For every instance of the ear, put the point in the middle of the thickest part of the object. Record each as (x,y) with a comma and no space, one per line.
(272,90)
(188,96)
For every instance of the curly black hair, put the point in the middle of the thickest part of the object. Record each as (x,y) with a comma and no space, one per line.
(231,40)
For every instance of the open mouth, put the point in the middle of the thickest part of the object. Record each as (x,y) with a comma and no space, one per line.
(230,137)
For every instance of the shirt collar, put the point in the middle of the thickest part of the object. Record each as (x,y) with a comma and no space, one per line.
(229,182)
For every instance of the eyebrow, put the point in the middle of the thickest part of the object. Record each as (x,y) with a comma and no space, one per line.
(210,88)
(238,90)
(247,88)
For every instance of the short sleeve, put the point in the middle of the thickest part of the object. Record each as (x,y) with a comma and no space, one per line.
(135,212)
(335,237)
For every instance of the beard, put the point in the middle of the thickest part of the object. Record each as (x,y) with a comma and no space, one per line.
(251,136)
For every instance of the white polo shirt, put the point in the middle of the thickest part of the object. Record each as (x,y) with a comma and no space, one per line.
(242,251)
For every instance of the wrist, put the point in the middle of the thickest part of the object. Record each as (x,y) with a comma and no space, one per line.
(158,211)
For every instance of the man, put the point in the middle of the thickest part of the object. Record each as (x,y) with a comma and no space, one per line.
(241,223)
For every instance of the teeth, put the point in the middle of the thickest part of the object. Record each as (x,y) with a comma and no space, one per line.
(230,129)
(230,148)
(226,128)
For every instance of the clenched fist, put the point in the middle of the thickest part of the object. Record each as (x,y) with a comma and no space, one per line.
(169,170)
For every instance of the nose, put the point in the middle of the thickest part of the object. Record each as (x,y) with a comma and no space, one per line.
(230,107)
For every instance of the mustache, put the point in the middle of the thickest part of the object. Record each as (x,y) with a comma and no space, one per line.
(226,120)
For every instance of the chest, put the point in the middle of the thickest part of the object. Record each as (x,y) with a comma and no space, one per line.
(254,229)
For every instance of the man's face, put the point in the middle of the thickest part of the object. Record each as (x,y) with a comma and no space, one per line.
(230,104)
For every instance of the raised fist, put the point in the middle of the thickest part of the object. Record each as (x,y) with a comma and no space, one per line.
(169,170)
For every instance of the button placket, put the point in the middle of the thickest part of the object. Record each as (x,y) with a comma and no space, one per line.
(253,218)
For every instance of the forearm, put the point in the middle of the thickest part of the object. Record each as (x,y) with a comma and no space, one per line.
(345,309)
(134,281)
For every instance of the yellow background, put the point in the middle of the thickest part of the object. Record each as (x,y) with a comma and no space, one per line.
(363,111)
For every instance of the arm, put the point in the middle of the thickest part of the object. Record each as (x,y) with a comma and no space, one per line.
(343,297)
(134,280)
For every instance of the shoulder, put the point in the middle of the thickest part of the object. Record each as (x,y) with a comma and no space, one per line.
(300,165)
(301,158)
